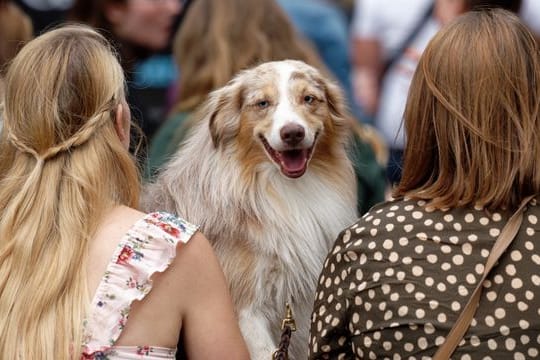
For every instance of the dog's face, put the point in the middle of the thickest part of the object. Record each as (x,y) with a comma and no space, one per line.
(279,111)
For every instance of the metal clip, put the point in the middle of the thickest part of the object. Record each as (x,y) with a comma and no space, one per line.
(289,319)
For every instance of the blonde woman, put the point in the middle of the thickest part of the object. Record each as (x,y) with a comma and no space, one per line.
(396,282)
(82,273)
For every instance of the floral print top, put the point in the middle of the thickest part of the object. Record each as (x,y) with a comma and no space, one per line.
(148,247)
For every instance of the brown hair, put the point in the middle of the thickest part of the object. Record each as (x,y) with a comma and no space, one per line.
(472,115)
(218,38)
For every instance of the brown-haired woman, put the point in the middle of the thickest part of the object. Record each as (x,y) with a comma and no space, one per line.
(76,259)
(217,39)
(397,280)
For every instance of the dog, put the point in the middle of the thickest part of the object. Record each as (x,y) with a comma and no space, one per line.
(265,174)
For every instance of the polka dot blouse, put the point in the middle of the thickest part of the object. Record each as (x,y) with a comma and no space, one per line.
(396,281)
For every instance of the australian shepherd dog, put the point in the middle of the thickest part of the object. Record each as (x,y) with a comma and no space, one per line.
(266,176)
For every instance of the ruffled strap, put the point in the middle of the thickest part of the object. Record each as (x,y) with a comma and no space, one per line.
(148,247)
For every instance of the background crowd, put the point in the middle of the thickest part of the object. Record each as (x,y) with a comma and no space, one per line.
(173,53)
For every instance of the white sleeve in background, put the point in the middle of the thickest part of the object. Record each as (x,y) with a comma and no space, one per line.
(530,14)
(389,21)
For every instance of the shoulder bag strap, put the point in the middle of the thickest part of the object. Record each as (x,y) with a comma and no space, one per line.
(396,55)
(463,322)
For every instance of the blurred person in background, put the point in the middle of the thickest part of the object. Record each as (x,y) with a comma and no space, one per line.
(142,31)
(15,31)
(388,38)
(217,39)
(45,14)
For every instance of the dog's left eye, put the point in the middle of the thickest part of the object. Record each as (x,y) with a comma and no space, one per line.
(308,99)
(263,104)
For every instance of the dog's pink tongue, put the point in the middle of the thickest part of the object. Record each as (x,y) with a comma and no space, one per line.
(294,161)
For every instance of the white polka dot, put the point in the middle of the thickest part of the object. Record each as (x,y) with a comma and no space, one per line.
(469,218)
(496,217)
(367,341)
(389,272)
(532,219)
(509,298)
(457,226)
(419,296)
(536,259)
(389,227)
(446,249)
(420,313)
(439,226)
(417,215)
(475,341)
(470,278)
(452,279)
(409,207)
(455,306)
(462,290)
(517,283)
(429,328)
(441,317)
(492,344)
(394,297)
(388,244)
(532,352)
(400,275)
(504,330)
(408,347)
(403,241)
(536,280)
(398,335)
(529,245)
(403,310)
(393,257)
(494,232)
(457,259)
(516,255)
(432,258)
(500,313)
(428,222)
(510,344)
(453,239)
(446,266)
(472,237)
(479,269)
(491,295)
(529,295)
(522,306)
(408,228)
(498,279)
(519,356)
(417,271)
(484,221)
(429,281)
(400,218)
(466,248)
(422,343)
(523,324)
(448,218)
(490,321)
(441,287)
(439,340)
(530,231)
(419,249)
(407,260)
(388,315)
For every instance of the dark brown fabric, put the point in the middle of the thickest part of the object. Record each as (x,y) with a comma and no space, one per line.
(396,281)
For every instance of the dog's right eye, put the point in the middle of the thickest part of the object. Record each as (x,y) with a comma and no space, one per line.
(263,104)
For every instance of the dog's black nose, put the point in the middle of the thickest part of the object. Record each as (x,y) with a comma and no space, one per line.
(292,134)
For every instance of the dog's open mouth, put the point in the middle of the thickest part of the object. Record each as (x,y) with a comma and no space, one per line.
(293,163)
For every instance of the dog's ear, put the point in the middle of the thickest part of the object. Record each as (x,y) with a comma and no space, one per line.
(223,109)
(335,100)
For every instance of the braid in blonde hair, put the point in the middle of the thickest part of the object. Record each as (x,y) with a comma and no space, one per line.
(78,139)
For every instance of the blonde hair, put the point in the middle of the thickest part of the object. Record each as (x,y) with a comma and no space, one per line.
(61,166)
(472,115)
(218,38)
